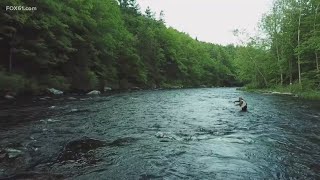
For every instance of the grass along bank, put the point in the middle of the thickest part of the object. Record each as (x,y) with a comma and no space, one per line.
(303,92)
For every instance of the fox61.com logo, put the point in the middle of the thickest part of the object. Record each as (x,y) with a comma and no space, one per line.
(20,8)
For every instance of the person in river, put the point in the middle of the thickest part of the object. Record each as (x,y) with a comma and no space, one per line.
(242,103)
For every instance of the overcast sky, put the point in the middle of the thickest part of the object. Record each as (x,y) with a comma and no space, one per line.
(210,20)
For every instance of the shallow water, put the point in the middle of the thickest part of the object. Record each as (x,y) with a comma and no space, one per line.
(167,134)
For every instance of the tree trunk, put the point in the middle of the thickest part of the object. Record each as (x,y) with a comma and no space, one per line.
(258,70)
(276,39)
(290,70)
(317,61)
(10,60)
(314,34)
(11,43)
(280,68)
(299,56)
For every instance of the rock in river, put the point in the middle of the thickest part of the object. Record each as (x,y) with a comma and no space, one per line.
(34,176)
(107,88)
(94,92)
(9,97)
(55,91)
(13,153)
(78,149)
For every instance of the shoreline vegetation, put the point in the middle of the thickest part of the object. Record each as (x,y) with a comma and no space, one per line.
(51,93)
(83,46)
(307,94)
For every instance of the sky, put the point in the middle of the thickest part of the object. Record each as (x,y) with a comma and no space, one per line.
(210,20)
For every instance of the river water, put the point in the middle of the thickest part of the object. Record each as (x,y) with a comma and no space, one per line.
(165,134)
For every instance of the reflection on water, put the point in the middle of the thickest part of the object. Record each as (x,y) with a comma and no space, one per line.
(170,134)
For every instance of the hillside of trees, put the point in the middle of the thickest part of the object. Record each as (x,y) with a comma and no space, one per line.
(288,57)
(82,45)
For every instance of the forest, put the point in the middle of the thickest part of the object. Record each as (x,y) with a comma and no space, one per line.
(82,45)
(287,57)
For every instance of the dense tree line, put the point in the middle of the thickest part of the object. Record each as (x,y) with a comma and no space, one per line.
(90,44)
(289,54)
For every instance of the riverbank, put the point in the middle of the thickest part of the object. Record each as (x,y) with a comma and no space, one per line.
(51,93)
(292,90)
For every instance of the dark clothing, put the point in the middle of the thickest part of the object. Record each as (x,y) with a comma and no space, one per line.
(244,108)
(243,105)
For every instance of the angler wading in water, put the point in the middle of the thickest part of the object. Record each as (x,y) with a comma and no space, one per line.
(242,104)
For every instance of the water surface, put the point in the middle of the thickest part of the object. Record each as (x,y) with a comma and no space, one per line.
(167,134)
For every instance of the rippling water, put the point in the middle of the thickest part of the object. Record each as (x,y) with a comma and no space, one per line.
(173,134)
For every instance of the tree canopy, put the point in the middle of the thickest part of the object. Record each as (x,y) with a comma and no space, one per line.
(89,44)
(289,55)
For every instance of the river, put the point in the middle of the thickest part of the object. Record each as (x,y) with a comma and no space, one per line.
(164,134)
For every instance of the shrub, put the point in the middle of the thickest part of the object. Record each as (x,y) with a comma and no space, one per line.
(32,87)
(12,82)
(84,80)
(58,82)
(93,81)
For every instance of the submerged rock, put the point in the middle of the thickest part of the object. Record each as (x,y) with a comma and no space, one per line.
(167,137)
(94,92)
(49,120)
(78,111)
(71,98)
(13,153)
(45,98)
(78,149)
(160,135)
(34,176)
(149,176)
(122,141)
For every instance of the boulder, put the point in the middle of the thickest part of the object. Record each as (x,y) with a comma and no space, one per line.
(282,93)
(94,92)
(55,91)
(176,87)
(135,88)
(9,97)
(107,88)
